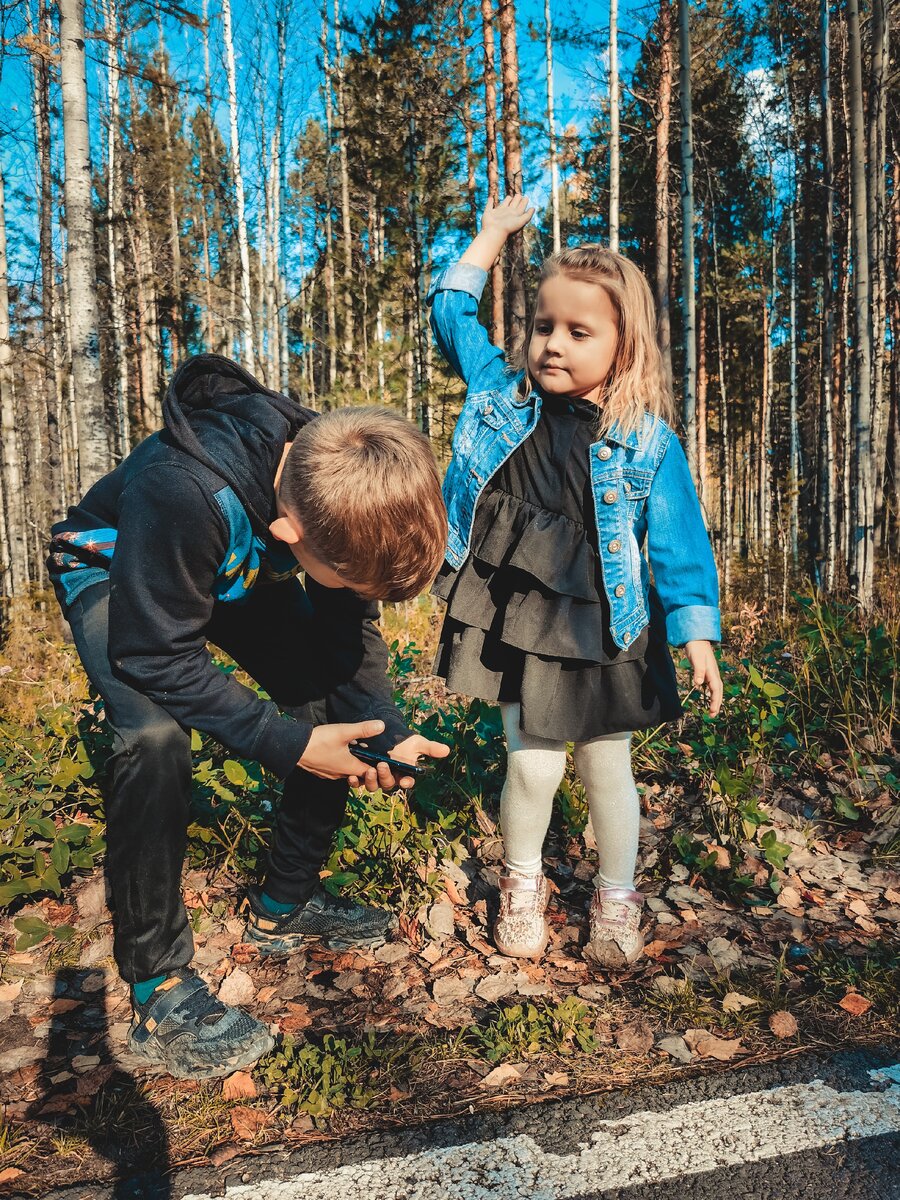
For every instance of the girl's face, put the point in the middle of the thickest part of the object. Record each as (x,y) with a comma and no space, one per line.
(573,343)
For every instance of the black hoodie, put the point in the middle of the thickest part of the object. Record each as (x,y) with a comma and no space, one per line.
(182,523)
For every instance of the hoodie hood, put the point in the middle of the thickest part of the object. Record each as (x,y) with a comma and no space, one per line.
(216,412)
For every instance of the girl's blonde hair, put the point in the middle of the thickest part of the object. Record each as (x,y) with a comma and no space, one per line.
(636,382)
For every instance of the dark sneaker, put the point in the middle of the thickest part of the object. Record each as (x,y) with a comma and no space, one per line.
(338,923)
(194,1035)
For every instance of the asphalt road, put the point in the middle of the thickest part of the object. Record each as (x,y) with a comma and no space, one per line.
(820,1127)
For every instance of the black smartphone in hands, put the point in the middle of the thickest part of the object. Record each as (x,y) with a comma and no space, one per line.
(374,757)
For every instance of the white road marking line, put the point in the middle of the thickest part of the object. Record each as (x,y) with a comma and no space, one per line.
(643,1148)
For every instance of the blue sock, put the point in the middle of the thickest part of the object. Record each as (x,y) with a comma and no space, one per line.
(275,907)
(145,989)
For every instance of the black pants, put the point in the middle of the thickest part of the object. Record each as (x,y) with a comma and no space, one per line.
(147,804)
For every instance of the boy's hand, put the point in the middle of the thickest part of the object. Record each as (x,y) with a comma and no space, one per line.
(706,672)
(408,751)
(510,215)
(327,756)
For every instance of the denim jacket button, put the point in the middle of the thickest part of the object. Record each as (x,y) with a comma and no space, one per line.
(614,546)
(627,486)
(609,497)
(620,590)
(604,452)
(488,408)
(626,638)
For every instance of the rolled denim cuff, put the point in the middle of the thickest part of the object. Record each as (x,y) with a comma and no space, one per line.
(693,622)
(460,277)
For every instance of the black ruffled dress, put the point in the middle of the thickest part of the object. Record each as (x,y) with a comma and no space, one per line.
(527,618)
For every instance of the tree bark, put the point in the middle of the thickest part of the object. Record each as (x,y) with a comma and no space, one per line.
(827,542)
(114,211)
(515,313)
(863,540)
(14,566)
(93,450)
(246,331)
(346,231)
(663,290)
(176,327)
(551,129)
(614,140)
(498,323)
(688,287)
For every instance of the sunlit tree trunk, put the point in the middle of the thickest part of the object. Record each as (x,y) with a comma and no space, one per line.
(84,319)
(468,130)
(512,163)
(177,314)
(826,506)
(877,229)
(346,230)
(663,290)
(551,129)
(14,564)
(246,326)
(498,324)
(688,287)
(614,141)
(862,538)
(114,213)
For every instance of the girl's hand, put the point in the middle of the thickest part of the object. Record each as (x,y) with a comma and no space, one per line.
(706,672)
(510,215)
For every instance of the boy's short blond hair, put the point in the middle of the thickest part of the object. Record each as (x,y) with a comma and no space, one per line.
(364,484)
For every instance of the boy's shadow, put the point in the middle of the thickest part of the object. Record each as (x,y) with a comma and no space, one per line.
(116,1118)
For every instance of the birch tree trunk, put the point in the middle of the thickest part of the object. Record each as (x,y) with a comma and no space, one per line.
(284,356)
(688,287)
(794,472)
(330,301)
(512,162)
(614,142)
(246,325)
(551,129)
(346,231)
(663,290)
(877,221)
(862,538)
(84,319)
(114,210)
(14,568)
(826,506)
(498,323)
(51,377)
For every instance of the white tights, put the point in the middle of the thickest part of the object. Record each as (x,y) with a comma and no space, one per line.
(535,769)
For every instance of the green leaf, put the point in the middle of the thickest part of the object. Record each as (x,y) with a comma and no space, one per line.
(196,741)
(31,930)
(846,808)
(59,856)
(234,772)
(775,852)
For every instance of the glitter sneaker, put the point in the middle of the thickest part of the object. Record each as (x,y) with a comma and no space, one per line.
(616,939)
(521,929)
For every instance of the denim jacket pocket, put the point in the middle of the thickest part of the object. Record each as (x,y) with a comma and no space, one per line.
(636,483)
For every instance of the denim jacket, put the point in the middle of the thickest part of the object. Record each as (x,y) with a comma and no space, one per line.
(641,482)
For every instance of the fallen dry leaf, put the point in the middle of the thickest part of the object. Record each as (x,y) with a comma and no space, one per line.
(636,1038)
(735,1001)
(224,1154)
(790,898)
(707,1045)
(783,1024)
(239,1086)
(505,1073)
(855,1004)
(9,1174)
(658,948)
(247,1122)
(9,991)
(556,1078)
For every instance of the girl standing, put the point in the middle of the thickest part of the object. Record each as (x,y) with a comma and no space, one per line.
(561,470)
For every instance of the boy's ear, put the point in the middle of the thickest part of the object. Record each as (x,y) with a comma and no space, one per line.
(286,529)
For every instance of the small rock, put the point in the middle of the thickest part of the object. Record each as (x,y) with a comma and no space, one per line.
(22,1056)
(636,1038)
(237,988)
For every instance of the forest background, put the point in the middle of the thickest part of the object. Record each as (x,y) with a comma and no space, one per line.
(279,182)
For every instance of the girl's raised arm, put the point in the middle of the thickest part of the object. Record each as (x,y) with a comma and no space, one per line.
(455,293)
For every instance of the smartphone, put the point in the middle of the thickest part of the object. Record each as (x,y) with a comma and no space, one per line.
(364,754)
